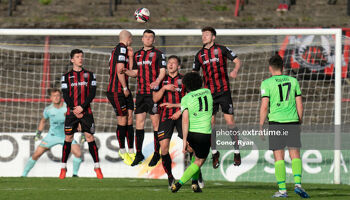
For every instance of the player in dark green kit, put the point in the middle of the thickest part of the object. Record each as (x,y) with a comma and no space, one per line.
(197,109)
(282,95)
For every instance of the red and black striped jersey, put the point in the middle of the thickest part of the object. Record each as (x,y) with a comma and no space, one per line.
(214,66)
(119,55)
(148,63)
(172,97)
(79,89)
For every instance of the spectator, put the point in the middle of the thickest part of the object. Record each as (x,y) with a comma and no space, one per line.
(283,6)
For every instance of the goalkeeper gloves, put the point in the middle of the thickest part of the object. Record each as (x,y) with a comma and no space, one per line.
(38,135)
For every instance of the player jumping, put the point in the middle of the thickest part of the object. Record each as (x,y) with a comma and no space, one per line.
(212,58)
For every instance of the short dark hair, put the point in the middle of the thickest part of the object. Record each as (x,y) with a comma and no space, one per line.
(149,31)
(276,62)
(75,51)
(52,90)
(175,57)
(192,81)
(209,28)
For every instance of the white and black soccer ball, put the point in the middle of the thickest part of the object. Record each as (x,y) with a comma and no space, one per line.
(142,15)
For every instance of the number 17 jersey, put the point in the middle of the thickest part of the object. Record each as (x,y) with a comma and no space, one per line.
(281,91)
(199,104)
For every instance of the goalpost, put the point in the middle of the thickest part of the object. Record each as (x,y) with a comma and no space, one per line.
(19,49)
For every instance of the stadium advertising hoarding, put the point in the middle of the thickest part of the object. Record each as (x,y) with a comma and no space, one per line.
(257,161)
(16,149)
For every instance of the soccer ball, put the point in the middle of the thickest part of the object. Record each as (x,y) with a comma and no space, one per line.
(142,15)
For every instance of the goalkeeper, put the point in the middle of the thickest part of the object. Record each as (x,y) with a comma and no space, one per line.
(282,95)
(56,114)
(197,109)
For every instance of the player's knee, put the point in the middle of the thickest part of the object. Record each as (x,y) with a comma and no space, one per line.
(164,149)
(69,138)
(89,137)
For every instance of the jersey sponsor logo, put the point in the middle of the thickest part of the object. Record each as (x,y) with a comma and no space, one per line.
(146,62)
(79,83)
(122,50)
(203,55)
(72,77)
(121,58)
(64,86)
(138,56)
(211,61)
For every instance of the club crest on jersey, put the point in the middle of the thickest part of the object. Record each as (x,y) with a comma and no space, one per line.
(86,75)
(151,54)
(216,51)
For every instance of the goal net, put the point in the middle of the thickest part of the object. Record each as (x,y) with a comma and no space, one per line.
(30,64)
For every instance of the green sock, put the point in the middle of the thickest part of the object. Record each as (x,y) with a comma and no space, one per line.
(280,173)
(76,165)
(30,164)
(296,168)
(196,175)
(189,172)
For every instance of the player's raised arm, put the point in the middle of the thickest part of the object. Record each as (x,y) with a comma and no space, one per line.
(233,57)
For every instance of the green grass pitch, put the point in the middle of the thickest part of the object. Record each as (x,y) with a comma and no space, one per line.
(128,189)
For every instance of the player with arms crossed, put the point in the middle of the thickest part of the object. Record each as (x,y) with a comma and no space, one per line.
(119,95)
(149,68)
(170,93)
(55,112)
(79,89)
(282,96)
(212,58)
(197,110)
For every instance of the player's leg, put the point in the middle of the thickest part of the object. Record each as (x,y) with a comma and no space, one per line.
(200,143)
(40,150)
(94,153)
(225,102)
(140,117)
(166,129)
(156,155)
(280,173)
(215,153)
(77,158)
(294,145)
(130,134)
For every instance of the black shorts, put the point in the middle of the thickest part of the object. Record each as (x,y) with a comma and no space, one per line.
(130,102)
(144,103)
(225,101)
(200,143)
(119,103)
(166,128)
(71,124)
(289,135)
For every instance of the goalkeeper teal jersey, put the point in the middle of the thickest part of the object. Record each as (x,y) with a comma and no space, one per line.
(281,91)
(57,118)
(199,104)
